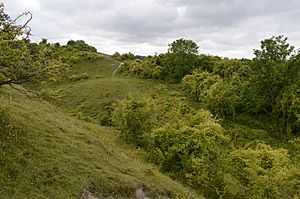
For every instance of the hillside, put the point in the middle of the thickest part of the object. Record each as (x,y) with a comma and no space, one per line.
(77,123)
(47,154)
(172,130)
(88,98)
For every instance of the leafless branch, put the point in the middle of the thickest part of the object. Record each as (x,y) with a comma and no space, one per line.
(24,26)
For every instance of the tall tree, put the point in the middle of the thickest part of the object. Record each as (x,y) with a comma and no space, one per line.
(270,70)
(180,59)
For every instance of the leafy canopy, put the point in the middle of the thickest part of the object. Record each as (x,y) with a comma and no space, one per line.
(183,46)
(20,60)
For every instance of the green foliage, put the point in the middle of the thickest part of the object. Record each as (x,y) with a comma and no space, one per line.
(213,92)
(53,95)
(269,73)
(147,69)
(266,85)
(275,49)
(228,69)
(199,82)
(172,66)
(79,77)
(191,150)
(222,99)
(127,56)
(265,173)
(46,154)
(193,147)
(246,136)
(185,143)
(272,87)
(289,109)
(72,55)
(81,45)
(133,118)
(183,47)
(180,60)
(104,117)
(20,60)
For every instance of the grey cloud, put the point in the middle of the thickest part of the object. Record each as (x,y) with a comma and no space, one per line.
(231,28)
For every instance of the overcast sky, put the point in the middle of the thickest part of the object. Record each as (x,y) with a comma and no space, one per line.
(228,28)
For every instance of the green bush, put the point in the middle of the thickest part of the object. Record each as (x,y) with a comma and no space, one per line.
(52,95)
(189,145)
(221,99)
(81,45)
(215,94)
(137,116)
(134,118)
(192,150)
(288,110)
(104,117)
(79,77)
(264,172)
(199,82)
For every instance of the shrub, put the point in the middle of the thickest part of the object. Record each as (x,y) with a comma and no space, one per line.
(198,83)
(133,117)
(265,173)
(52,95)
(221,99)
(288,110)
(219,96)
(79,77)
(192,150)
(104,117)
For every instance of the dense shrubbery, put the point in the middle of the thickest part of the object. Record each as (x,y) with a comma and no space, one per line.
(267,85)
(172,66)
(191,150)
(22,61)
(134,117)
(177,138)
(192,146)
(81,46)
(213,92)
(264,172)
(147,69)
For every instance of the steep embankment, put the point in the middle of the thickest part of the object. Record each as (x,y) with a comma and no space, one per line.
(46,154)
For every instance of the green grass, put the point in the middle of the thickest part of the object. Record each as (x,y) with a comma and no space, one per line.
(103,66)
(86,98)
(93,95)
(46,154)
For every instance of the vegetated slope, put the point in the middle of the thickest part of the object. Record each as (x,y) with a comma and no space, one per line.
(46,154)
(88,97)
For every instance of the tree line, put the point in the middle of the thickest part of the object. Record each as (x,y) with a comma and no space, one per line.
(266,85)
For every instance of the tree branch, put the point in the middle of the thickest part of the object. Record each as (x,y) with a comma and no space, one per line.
(25,92)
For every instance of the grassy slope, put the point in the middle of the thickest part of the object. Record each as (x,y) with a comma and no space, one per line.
(47,154)
(51,155)
(101,88)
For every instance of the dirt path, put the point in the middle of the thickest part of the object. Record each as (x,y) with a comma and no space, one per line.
(116,70)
